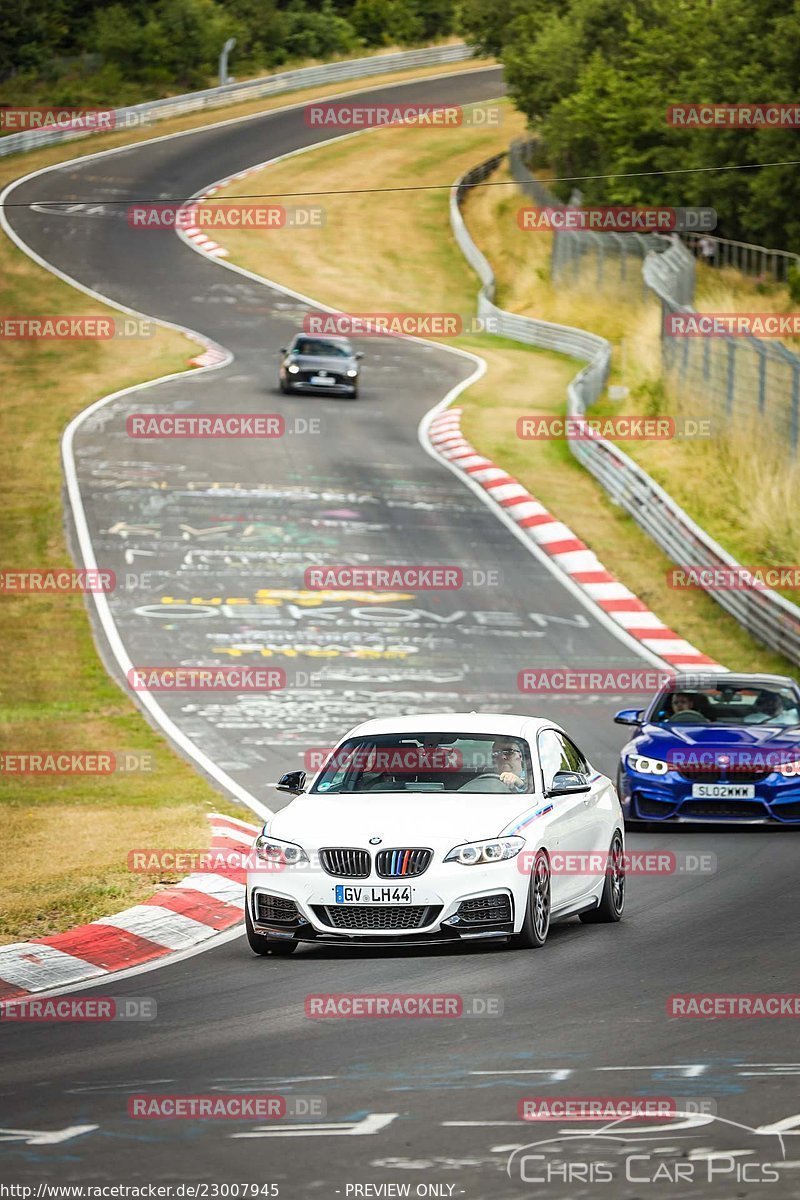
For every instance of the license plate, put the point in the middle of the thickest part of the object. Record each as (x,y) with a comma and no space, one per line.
(347,894)
(325,380)
(723,791)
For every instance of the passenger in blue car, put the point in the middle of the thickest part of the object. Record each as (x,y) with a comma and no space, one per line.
(771,709)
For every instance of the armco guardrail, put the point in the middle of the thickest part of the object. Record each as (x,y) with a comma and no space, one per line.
(254,89)
(744,380)
(763,613)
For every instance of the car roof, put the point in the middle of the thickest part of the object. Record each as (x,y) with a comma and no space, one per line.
(322,337)
(496,724)
(697,679)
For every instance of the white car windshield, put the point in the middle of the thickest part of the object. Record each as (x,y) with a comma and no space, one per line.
(429,762)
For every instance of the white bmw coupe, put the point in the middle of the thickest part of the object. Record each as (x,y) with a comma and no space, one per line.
(439,829)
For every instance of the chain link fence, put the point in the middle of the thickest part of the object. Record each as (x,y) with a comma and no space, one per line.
(138,115)
(741,381)
(770,618)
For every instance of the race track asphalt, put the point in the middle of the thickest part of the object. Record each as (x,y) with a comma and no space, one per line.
(214,522)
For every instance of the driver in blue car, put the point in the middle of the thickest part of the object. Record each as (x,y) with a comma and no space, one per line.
(510,765)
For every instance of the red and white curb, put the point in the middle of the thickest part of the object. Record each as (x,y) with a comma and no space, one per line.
(565,550)
(176,918)
(186,218)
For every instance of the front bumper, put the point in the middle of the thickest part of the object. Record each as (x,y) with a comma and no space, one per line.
(488,903)
(668,798)
(340,385)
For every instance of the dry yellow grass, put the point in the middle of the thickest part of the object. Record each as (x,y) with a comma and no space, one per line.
(66,840)
(394,252)
(738,484)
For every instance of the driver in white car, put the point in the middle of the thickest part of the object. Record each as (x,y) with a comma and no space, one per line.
(507,758)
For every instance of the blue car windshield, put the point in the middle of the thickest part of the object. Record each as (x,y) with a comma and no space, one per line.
(727,704)
(428,762)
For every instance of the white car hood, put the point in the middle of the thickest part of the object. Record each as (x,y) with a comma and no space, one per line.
(397,818)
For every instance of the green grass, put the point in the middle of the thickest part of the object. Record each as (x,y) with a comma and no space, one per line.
(433,276)
(66,838)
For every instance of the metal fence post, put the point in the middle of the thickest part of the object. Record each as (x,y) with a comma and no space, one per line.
(731,376)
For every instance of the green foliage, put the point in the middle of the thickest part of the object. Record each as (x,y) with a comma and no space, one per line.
(793,281)
(76,52)
(595,77)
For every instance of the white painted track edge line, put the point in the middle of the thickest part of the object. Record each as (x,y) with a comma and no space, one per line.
(438,409)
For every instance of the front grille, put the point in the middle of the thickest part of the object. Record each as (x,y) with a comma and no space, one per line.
(723,808)
(789,812)
(330,379)
(378,916)
(274,910)
(390,864)
(345,863)
(646,806)
(730,774)
(485,910)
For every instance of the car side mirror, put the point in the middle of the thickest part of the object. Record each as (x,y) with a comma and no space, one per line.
(359,354)
(566,783)
(284,349)
(629,716)
(292,781)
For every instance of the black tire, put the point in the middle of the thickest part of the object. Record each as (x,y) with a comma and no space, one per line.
(354,393)
(536,925)
(283,385)
(612,901)
(260,944)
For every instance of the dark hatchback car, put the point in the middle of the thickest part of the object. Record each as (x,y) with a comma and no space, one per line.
(725,749)
(320,364)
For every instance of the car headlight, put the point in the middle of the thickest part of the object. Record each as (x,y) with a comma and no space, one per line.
(470,854)
(277,853)
(647,766)
(293,369)
(351,374)
(789,770)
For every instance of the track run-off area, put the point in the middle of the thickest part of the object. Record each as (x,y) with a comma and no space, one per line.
(224,531)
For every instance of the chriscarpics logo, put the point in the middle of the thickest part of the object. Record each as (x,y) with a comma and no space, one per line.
(686,1147)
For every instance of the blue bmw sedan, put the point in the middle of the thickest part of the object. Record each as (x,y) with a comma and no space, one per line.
(723,748)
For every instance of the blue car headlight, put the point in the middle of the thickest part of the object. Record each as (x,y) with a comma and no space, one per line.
(647,766)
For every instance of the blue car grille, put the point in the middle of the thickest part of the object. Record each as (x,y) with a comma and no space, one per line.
(727,774)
